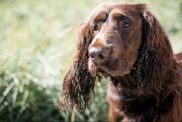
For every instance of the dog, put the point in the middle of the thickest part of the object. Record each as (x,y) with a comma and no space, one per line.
(126,43)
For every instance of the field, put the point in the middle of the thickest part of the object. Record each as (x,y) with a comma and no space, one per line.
(37,42)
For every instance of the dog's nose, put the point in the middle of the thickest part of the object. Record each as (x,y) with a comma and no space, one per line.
(99,54)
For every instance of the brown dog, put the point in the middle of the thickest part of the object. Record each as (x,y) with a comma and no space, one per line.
(126,43)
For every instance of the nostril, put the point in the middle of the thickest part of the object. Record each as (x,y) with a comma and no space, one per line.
(101,56)
(91,54)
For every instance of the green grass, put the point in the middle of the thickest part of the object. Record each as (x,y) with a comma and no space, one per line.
(37,42)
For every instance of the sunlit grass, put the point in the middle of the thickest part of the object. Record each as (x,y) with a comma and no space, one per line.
(37,42)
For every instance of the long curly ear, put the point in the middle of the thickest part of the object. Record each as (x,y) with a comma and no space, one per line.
(78,83)
(155,54)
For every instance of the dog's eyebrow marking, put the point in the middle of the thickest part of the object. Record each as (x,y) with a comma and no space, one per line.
(116,13)
(101,16)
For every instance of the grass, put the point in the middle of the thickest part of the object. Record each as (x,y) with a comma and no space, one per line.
(34,39)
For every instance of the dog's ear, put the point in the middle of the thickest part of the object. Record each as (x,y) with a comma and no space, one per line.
(155,53)
(78,82)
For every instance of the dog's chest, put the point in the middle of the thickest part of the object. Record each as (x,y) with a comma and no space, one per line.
(130,106)
(114,99)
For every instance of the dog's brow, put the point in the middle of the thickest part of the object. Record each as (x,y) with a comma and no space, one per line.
(116,13)
(101,16)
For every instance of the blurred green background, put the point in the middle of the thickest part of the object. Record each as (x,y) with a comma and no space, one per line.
(37,42)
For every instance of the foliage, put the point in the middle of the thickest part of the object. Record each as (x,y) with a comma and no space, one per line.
(37,41)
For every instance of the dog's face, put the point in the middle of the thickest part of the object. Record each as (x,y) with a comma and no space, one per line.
(117,35)
(116,39)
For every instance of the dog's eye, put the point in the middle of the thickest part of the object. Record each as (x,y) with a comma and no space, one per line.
(96,27)
(125,24)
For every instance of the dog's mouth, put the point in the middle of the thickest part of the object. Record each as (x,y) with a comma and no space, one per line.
(112,67)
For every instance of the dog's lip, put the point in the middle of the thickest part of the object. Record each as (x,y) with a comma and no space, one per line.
(93,61)
(92,67)
(104,68)
(98,65)
(101,68)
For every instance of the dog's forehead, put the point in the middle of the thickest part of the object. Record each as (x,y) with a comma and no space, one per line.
(127,9)
(101,11)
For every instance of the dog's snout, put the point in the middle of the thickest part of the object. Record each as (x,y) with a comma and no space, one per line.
(99,54)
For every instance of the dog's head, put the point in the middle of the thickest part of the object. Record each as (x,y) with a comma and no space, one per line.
(116,39)
(117,36)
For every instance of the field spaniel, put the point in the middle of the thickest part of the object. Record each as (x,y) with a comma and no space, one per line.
(126,43)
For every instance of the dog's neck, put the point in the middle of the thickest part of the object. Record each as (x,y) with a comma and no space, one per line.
(132,86)
(137,101)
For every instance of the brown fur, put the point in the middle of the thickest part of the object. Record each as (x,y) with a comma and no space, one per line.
(146,77)
(179,58)
(78,83)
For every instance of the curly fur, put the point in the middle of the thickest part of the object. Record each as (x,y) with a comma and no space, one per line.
(78,82)
(155,94)
(150,92)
